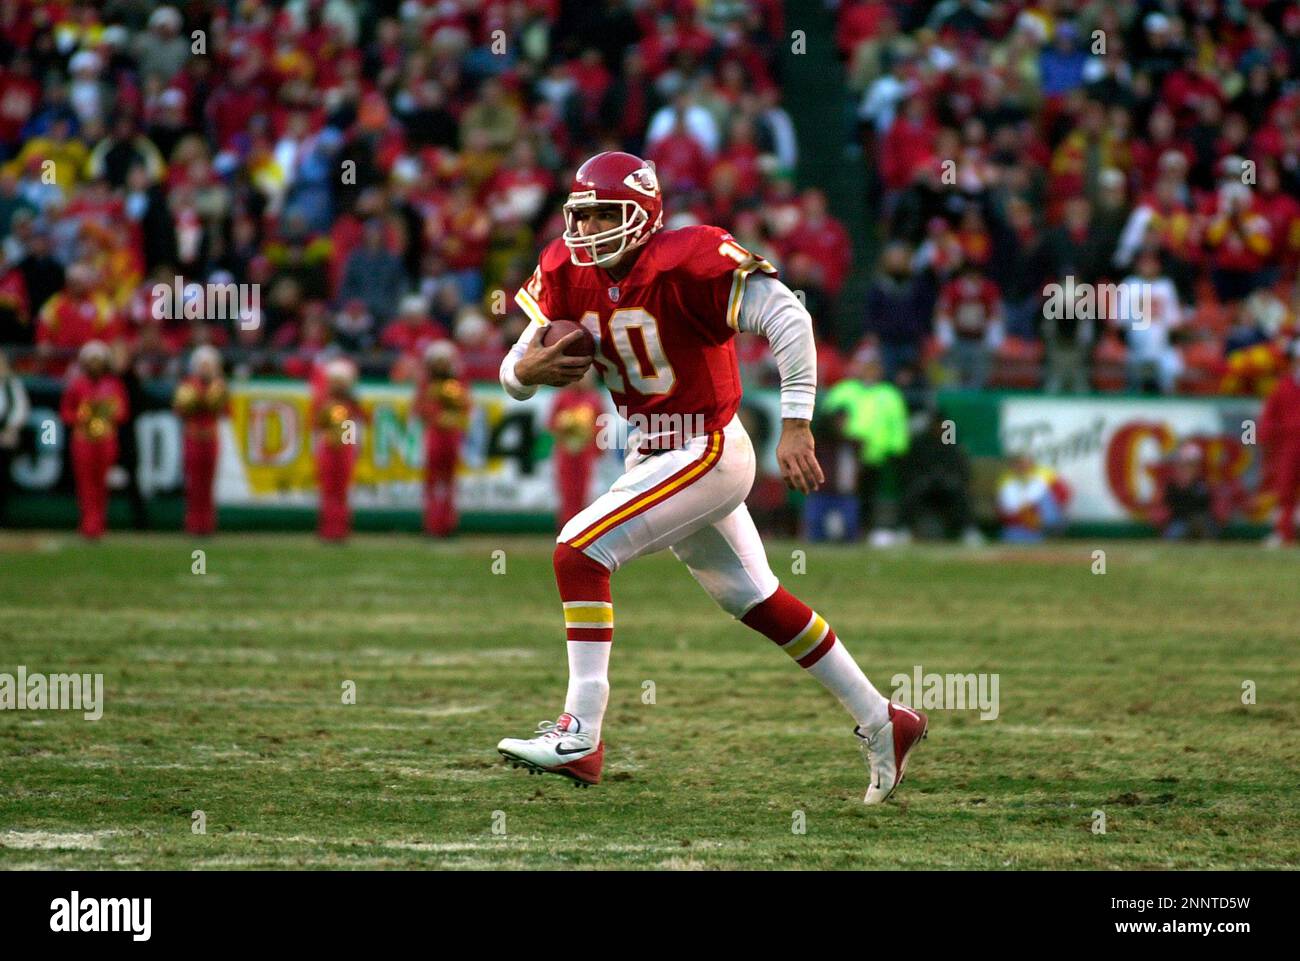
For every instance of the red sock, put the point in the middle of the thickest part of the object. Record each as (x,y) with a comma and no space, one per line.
(589,626)
(793,626)
(584,589)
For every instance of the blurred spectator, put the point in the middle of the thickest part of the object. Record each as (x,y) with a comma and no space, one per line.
(162,51)
(354,327)
(1151,316)
(823,238)
(493,114)
(124,148)
(1238,236)
(55,155)
(74,317)
(410,334)
(680,159)
(305,340)
(1031,501)
(684,117)
(1185,505)
(479,344)
(875,416)
(969,325)
(1255,350)
(936,486)
(895,313)
(374,274)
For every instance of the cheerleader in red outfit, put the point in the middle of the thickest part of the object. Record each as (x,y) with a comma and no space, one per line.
(337,418)
(442,402)
(201,401)
(94,405)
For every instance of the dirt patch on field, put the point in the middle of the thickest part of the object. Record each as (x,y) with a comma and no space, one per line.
(29,543)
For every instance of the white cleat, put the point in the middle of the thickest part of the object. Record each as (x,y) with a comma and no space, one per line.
(561,747)
(886,751)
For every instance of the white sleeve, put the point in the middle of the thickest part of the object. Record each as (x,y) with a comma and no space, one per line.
(507,373)
(771,310)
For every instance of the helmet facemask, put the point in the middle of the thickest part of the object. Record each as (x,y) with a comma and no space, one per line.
(629,234)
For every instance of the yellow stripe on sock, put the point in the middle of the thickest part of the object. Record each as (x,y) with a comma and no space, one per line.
(808,638)
(588,614)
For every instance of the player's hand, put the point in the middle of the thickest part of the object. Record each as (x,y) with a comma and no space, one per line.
(550,365)
(795,455)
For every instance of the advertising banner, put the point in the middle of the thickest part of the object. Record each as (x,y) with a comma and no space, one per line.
(266,455)
(1108,449)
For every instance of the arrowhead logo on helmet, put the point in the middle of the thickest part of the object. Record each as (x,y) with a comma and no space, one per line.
(606,181)
(644,179)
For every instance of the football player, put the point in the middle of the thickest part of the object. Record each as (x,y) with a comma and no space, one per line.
(664,307)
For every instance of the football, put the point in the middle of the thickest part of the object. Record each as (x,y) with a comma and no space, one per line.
(557,330)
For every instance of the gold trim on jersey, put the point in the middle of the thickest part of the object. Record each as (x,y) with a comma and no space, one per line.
(530,307)
(738,287)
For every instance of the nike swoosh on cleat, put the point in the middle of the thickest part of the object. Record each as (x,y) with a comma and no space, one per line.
(578,750)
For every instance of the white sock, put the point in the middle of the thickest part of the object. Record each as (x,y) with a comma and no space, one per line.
(842,677)
(588,684)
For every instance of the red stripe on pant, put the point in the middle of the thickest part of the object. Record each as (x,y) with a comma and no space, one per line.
(781,618)
(655,495)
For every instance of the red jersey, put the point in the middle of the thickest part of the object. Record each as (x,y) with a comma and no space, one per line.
(664,333)
(971,304)
(94,408)
(69,322)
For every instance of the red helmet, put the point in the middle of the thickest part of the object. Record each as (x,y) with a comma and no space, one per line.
(620,179)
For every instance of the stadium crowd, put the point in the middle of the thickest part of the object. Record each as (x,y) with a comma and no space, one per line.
(380,175)
(1152,146)
(384,173)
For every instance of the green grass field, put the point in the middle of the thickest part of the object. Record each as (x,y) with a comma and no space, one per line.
(1119,692)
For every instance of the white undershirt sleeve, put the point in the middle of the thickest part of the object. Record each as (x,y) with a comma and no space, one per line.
(771,310)
(537,320)
(507,373)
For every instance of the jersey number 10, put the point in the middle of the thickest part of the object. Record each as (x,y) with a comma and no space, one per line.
(641,359)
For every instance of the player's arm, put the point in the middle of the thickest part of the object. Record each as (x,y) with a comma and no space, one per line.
(771,310)
(528,364)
